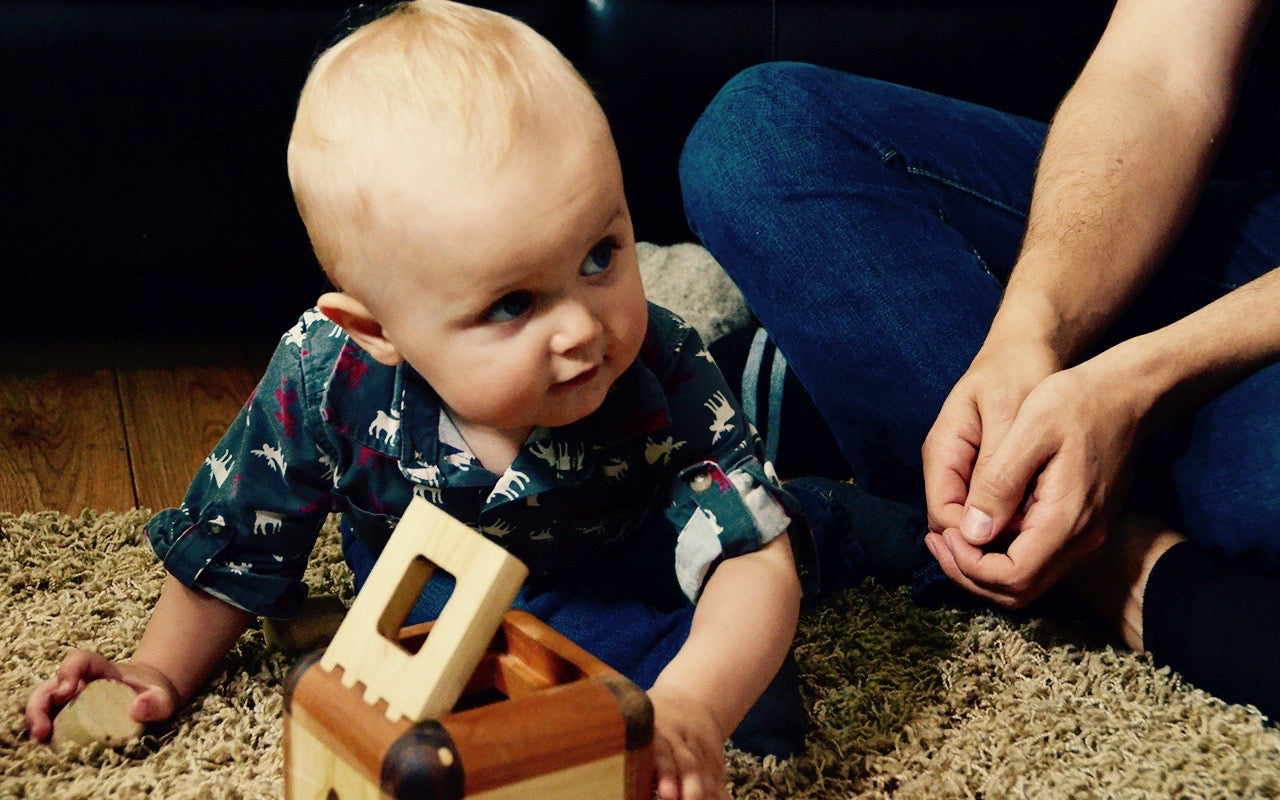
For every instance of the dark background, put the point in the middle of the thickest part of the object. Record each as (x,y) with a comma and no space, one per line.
(143,160)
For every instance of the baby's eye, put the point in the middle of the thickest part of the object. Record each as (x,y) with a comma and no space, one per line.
(599,259)
(509,307)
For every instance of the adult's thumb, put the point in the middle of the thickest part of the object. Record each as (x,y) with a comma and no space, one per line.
(976,526)
(994,498)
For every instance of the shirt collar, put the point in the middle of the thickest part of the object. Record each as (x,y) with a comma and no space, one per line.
(394,412)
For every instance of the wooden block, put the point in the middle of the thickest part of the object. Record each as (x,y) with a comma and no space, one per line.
(540,718)
(458,707)
(367,647)
(100,713)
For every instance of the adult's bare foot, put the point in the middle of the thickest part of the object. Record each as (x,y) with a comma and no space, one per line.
(1114,583)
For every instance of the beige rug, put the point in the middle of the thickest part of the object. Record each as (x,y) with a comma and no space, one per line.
(906,703)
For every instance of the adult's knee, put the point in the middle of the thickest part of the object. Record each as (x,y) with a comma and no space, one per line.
(736,145)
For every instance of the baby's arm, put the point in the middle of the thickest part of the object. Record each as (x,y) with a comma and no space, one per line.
(742,628)
(188,634)
(244,531)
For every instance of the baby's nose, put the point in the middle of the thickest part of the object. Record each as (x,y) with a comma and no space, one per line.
(576,325)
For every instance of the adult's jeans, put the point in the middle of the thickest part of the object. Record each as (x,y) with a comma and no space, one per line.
(872,228)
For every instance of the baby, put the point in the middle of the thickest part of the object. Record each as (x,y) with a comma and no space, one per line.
(488,347)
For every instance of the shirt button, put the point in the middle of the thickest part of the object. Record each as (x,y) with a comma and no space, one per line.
(701,482)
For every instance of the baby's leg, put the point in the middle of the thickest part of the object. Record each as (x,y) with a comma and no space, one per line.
(639,640)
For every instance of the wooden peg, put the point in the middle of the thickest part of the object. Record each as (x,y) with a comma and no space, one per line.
(100,713)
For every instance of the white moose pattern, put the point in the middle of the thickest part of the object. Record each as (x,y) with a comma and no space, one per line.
(432,494)
(385,426)
(328,465)
(297,335)
(661,451)
(220,467)
(274,457)
(266,523)
(461,460)
(557,455)
(510,484)
(428,473)
(721,412)
(616,469)
(498,529)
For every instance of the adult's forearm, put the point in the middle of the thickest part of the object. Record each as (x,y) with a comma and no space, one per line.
(1123,164)
(1178,367)
(1106,208)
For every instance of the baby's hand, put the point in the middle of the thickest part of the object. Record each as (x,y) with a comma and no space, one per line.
(688,747)
(157,698)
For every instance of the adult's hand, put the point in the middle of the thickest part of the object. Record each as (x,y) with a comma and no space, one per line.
(974,420)
(1123,163)
(1041,501)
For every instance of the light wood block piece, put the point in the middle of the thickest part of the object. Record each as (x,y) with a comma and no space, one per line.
(367,645)
(99,714)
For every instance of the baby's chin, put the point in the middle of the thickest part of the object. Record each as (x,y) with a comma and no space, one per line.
(568,417)
(572,406)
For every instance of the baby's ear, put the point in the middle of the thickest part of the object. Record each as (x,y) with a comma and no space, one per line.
(352,316)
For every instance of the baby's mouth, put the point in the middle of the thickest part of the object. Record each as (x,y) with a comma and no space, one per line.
(581,379)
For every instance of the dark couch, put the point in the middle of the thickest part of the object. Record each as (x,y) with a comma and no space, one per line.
(144,186)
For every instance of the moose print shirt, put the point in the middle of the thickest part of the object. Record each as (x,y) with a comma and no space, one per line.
(659,484)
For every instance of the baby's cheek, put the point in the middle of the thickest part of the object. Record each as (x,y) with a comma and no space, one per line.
(629,329)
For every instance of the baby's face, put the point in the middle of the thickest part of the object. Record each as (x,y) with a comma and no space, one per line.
(520,301)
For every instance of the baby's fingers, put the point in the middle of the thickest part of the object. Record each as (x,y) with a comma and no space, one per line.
(664,767)
(40,709)
(683,775)
(78,669)
(152,705)
(677,768)
(700,778)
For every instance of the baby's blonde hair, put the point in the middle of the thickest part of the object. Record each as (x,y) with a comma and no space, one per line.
(431,79)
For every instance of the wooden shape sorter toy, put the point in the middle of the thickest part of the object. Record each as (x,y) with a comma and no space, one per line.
(484,702)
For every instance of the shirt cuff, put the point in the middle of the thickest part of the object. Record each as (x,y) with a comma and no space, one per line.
(194,552)
(735,512)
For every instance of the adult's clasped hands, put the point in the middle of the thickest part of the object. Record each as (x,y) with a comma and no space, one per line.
(1026,466)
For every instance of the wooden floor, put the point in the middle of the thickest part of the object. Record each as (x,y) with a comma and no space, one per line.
(115,425)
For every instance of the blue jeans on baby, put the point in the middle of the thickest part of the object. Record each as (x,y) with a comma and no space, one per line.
(632,637)
(872,228)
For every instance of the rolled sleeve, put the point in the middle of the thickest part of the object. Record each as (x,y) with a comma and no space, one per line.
(722,514)
(251,515)
(204,554)
(185,547)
